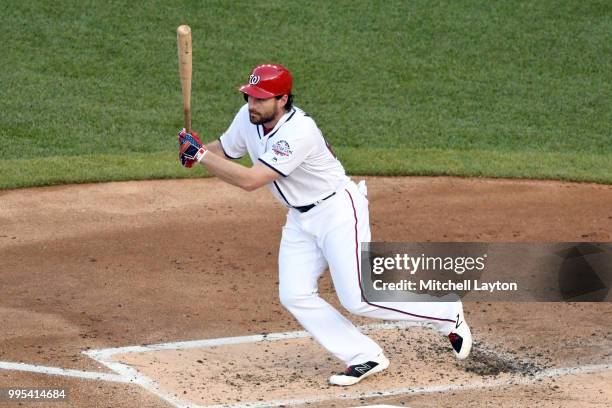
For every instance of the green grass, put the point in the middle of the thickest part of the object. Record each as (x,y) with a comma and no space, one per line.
(90,89)
(375,161)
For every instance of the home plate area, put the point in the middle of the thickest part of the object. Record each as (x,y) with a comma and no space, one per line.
(287,369)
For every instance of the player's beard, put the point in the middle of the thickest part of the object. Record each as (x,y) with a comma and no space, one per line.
(257,118)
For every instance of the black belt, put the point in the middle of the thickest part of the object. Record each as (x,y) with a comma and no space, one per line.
(309,207)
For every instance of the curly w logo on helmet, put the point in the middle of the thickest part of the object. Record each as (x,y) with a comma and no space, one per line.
(254,79)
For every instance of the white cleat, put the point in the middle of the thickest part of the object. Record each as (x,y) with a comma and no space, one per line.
(358,372)
(461,338)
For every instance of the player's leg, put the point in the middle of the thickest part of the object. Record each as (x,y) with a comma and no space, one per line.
(301,263)
(341,247)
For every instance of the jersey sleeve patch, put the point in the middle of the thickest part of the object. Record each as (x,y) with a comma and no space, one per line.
(282,149)
(289,150)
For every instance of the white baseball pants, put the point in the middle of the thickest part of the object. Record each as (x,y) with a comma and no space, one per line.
(330,235)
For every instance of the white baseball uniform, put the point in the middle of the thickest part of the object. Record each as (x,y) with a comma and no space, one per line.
(329,234)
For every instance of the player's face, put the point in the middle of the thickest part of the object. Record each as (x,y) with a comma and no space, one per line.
(263,111)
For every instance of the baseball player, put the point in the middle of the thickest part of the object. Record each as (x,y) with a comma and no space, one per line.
(327,220)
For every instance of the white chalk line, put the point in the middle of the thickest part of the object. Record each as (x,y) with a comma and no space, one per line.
(226,341)
(105,356)
(88,375)
(552,373)
(127,374)
(145,382)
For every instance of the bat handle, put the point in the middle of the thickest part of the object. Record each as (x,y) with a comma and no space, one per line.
(187,121)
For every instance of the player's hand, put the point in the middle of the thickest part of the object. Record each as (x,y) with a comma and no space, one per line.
(190,154)
(192,137)
(191,149)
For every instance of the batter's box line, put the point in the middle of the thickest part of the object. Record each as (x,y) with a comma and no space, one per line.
(226,341)
(131,375)
(105,357)
(62,372)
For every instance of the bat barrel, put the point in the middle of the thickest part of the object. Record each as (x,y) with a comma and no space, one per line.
(184,46)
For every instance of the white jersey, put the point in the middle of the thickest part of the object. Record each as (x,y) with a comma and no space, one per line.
(295,149)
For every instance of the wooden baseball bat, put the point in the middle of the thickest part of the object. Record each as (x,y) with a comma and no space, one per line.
(183,43)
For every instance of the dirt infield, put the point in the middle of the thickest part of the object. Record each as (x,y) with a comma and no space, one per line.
(125,264)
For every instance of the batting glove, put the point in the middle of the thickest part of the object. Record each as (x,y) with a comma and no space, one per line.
(191,150)
(191,137)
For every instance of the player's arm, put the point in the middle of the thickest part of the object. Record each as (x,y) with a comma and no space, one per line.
(215,148)
(191,151)
(247,178)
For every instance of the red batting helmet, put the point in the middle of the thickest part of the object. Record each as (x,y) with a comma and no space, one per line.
(267,81)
